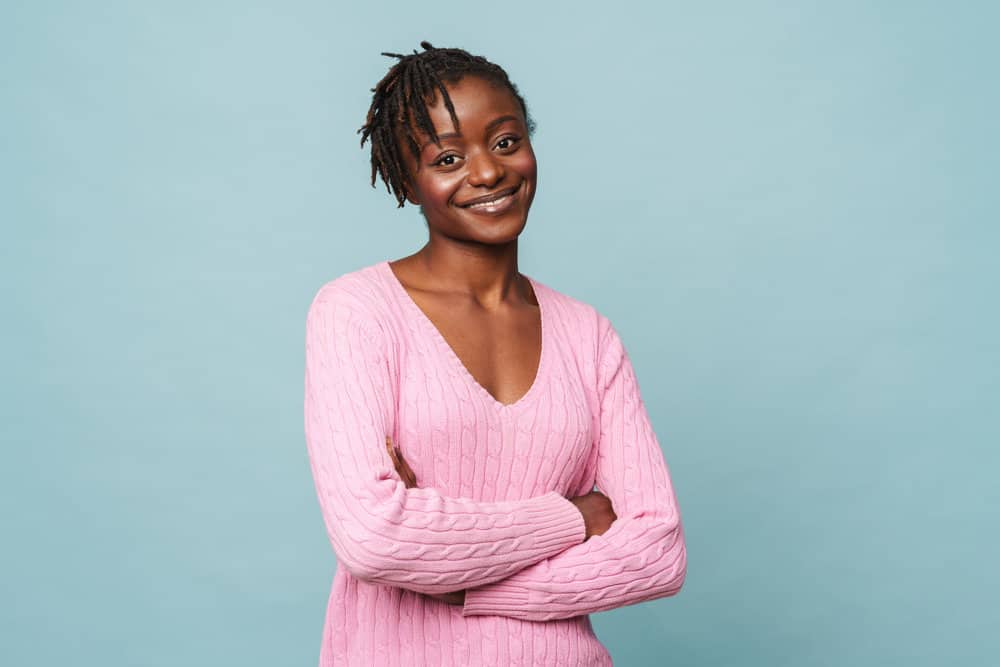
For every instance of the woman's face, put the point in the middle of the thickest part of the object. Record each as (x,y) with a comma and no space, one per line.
(479,183)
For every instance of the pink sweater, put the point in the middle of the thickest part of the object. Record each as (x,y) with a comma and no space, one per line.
(490,513)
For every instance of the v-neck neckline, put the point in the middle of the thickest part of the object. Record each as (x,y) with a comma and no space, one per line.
(432,329)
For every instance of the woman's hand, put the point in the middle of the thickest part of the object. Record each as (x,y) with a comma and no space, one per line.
(458,597)
(410,480)
(598,515)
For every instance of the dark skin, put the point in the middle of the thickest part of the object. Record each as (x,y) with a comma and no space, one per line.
(475,190)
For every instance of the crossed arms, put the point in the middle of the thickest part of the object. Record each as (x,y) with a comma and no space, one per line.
(532,559)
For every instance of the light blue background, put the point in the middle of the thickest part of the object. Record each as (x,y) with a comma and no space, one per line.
(789,210)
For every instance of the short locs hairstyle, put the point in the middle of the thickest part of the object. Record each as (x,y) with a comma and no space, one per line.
(399,104)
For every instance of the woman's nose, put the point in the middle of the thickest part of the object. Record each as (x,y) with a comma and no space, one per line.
(484,169)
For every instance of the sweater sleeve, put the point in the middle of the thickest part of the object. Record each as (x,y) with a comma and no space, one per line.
(381,531)
(642,555)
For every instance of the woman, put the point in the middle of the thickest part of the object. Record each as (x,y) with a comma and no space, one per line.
(459,413)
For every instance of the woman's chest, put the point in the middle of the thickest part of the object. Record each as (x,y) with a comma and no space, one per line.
(460,440)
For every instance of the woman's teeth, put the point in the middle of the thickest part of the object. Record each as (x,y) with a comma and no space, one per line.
(491,203)
(498,204)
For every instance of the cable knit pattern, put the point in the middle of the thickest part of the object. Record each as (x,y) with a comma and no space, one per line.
(490,513)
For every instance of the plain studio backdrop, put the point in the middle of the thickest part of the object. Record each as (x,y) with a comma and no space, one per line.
(789,211)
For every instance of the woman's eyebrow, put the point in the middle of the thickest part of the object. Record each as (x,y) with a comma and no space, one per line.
(441,137)
(492,125)
(499,121)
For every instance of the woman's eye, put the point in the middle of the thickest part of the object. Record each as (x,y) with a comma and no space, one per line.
(445,161)
(506,143)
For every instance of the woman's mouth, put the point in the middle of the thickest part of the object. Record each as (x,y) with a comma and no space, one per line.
(497,202)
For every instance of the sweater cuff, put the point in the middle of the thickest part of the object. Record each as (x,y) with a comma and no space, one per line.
(560,524)
(504,598)
(500,599)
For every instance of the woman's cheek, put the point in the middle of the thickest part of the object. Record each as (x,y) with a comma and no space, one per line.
(446,185)
(525,163)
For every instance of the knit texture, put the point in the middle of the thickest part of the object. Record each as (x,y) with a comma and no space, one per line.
(490,513)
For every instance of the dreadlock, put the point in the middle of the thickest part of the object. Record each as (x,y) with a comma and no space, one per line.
(400,103)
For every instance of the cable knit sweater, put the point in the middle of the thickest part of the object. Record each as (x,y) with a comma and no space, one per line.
(490,513)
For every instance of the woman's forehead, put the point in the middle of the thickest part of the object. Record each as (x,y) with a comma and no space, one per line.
(477,103)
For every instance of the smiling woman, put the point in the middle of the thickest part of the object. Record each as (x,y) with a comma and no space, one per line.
(459,413)
(478,179)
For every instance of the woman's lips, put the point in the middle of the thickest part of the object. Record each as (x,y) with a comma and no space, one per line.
(493,204)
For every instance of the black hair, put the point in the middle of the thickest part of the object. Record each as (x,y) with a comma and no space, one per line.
(400,103)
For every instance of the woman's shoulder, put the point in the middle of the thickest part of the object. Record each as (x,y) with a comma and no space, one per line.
(587,334)
(359,290)
(571,307)
(585,321)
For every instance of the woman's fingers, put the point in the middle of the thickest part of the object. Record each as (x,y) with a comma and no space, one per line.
(598,513)
(409,478)
(396,456)
(392,453)
(458,597)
